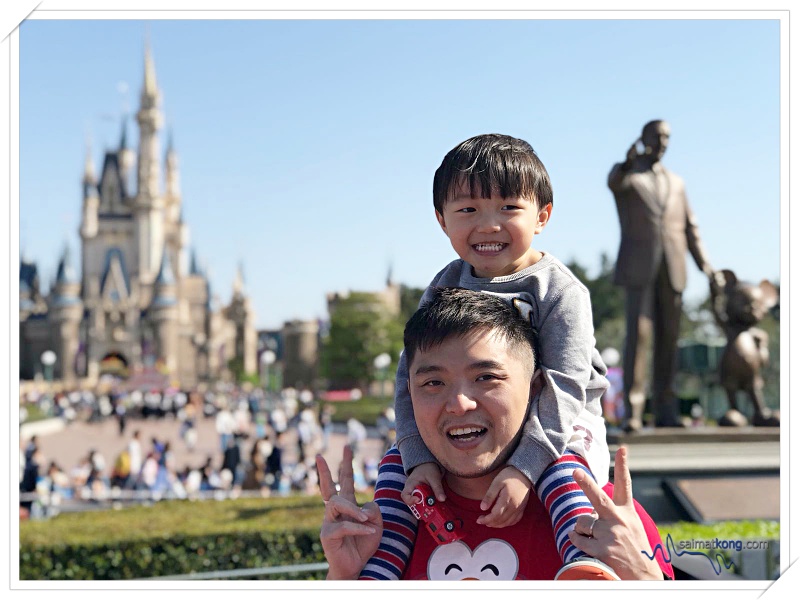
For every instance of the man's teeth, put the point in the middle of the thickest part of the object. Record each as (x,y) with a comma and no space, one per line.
(489,247)
(465,431)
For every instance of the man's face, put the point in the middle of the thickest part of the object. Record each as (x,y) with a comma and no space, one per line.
(494,235)
(470,398)
(657,139)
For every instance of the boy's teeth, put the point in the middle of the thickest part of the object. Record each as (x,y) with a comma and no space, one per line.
(488,247)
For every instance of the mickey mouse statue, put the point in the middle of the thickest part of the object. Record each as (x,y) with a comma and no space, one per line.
(738,306)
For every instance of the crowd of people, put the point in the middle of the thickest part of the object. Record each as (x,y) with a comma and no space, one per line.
(264,446)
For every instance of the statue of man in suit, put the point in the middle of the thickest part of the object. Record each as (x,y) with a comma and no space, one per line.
(657,228)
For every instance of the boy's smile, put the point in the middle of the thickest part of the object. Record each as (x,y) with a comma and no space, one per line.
(494,235)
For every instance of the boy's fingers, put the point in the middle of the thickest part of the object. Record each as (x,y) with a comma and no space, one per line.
(602,504)
(438,489)
(623,493)
(491,496)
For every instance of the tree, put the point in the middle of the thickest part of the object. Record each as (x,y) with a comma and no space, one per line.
(360,330)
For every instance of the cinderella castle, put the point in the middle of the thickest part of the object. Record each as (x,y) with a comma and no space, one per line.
(141,305)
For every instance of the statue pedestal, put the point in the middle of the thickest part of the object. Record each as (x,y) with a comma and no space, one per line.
(691,474)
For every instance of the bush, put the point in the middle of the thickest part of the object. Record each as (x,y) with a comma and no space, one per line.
(173,538)
(367,409)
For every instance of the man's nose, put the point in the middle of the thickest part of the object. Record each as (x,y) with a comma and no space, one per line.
(460,403)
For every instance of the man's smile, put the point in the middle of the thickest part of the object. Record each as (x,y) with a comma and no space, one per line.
(465,434)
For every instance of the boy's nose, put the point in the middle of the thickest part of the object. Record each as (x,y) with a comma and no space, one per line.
(489,224)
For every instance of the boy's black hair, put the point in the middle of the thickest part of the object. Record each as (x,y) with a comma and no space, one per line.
(492,163)
(456,312)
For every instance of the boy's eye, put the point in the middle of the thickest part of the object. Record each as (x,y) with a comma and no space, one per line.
(511,207)
(466,209)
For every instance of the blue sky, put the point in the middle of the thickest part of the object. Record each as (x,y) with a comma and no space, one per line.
(307,148)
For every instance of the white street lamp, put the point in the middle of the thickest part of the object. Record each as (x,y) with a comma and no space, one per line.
(381,363)
(267,358)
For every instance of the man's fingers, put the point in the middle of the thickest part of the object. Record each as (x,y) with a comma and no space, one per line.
(623,494)
(346,485)
(590,546)
(338,507)
(343,529)
(600,501)
(326,485)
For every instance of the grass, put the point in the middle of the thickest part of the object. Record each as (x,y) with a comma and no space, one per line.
(367,409)
(724,530)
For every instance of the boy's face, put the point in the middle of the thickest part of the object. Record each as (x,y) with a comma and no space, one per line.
(494,235)
(470,396)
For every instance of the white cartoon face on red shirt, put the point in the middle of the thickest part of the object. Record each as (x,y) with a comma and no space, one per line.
(492,560)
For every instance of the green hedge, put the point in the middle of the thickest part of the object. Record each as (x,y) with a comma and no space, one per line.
(367,409)
(172,538)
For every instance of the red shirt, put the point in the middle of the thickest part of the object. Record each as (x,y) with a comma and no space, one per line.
(526,550)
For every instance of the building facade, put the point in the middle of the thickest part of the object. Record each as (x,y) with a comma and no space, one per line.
(141,301)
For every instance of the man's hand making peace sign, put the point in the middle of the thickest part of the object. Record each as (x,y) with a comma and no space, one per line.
(350,535)
(614,533)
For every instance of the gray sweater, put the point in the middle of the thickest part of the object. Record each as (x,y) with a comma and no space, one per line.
(560,312)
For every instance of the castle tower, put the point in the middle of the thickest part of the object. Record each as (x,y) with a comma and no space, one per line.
(149,203)
(163,314)
(64,315)
(241,314)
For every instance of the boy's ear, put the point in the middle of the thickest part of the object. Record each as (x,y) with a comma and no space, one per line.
(440,218)
(543,217)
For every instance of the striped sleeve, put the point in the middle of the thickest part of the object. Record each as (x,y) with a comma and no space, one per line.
(399,525)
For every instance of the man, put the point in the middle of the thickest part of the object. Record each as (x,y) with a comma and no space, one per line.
(657,228)
(471,379)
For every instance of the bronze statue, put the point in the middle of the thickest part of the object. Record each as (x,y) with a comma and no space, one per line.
(657,227)
(739,306)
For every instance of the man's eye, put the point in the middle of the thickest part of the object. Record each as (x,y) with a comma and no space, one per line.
(432,383)
(488,377)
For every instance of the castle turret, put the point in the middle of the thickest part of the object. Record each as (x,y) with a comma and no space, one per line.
(65,314)
(163,313)
(127,159)
(91,199)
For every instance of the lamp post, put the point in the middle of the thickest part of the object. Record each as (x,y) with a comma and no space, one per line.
(267,358)
(381,363)
(48,359)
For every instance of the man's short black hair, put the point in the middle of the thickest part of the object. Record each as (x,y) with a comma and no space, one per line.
(456,312)
(492,163)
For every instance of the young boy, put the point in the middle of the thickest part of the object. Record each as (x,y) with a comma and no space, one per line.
(492,195)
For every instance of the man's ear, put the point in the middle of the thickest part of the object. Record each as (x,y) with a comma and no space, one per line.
(543,217)
(537,382)
(440,218)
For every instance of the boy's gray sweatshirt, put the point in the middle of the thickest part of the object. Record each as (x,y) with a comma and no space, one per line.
(559,309)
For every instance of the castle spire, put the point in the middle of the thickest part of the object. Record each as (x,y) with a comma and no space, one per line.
(150,87)
(238,282)
(123,138)
(88,166)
